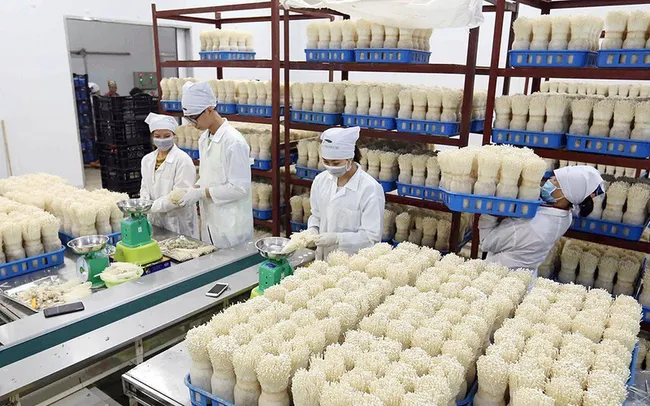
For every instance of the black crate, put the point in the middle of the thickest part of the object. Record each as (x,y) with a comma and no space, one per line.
(121,175)
(123,132)
(125,108)
(127,157)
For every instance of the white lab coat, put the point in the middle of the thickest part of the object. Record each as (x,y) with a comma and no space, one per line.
(523,243)
(225,168)
(355,213)
(177,172)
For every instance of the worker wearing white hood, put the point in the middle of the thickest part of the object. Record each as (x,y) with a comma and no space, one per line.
(525,243)
(347,204)
(224,186)
(165,169)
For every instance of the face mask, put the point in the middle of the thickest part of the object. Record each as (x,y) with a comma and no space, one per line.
(338,171)
(547,192)
(164,144)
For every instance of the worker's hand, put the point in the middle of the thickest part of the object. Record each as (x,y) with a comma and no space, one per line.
(192,195)
(327,239)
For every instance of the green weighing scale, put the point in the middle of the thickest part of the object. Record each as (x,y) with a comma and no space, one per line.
(137,246)
(94,258)
(276,265)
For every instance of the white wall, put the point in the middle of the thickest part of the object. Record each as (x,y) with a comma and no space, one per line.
(36,92)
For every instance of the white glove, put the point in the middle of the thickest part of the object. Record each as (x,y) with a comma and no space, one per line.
(192,195)
(327,239)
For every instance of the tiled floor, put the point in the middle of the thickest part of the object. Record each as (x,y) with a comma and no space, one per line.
(93,178)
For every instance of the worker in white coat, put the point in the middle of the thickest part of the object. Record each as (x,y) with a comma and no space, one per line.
(525,243)
(347,204)
(224,186)
(163,170)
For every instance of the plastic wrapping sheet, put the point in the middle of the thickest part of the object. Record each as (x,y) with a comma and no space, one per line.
(404,13)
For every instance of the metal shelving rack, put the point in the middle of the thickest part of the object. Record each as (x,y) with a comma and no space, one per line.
(190,15)
(537,74)
(469,70)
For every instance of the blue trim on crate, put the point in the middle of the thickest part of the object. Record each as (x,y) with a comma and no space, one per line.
(256,110)
(199,397)
(608,146)
(113,238)
(227,55)
(555,59)
(171,105)
(391,55)
(423,192)
(298,227)
(445,128)
(313,117)
(635,355)
(495,206)
(609,228)
(469,399)
(365,121)
(265,164)
(31,264)
(477,126)
(624,58)
(329,55)
(265,214)
(226,108)
(388,185)
(528,138)
(307,173)
(193,153)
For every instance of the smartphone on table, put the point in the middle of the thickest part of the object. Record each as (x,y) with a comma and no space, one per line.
(217,290)
(63,309)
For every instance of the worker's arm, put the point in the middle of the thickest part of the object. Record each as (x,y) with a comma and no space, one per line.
(370,231)
(238,176)
(496,236)
(314,220)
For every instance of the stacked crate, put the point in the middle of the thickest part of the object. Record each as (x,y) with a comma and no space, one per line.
(123,139)
(84,118)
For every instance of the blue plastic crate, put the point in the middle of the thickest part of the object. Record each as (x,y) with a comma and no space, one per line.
(307,173)
(257,111)
(113,238)
(199,397)
(313,117)
(171,105)
(609,228)
(423,192)
(298,227)
(265,164)
(445,128)
(469,399)
(496,206)
(556,59)
(364,121)
(227,108)
(477,126)
(608,146)
(528,138)
(31,264)
(391,55)
(388,185)
(227,55)
(329,55)
(635,355)
(646,314)
(193,153)
(265,214)
(624,58)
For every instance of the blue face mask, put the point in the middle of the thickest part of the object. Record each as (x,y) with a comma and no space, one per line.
(547,192)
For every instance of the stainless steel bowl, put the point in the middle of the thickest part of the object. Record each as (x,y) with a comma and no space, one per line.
(133,206)
(271,247)
(88,243)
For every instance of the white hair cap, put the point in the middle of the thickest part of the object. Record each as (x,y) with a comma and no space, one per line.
(161,122)
(197,97)
(339,142)
(578,182)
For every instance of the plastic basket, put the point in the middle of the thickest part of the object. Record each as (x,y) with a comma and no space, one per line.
(388,185)
(496,206)
(608,146)
(193,153)
(31,264)
(265,214)
(307,173)
(624,58)
(111,281)
(129,157)
(257,111)
(227,108)
(199,397)
(123,132)
(298,227)
(329,55)
(391,55)
(635,355)
(312,117)
(609,228)
(556,59)
(364,121)
(265,164)
(227,55)
(120,174)
(423,192)
(477,126)
(125,108)
(171,105)
(427,127)
(528,138)
(113,238)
